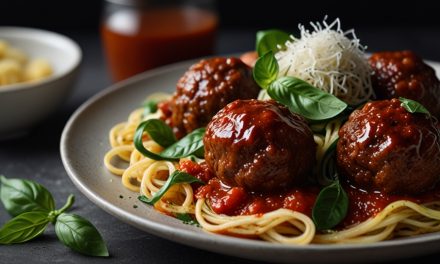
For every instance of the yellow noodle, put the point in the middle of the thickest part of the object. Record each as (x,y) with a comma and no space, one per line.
(146,176)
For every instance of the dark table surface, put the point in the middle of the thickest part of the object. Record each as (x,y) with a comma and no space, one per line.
(37,157)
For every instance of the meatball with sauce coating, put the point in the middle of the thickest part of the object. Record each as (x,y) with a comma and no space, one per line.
(207,87)
(259,145)
(404,74)
(384,147)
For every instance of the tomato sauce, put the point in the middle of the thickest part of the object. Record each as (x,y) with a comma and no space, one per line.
(237,201)
(137,40)
(363,204)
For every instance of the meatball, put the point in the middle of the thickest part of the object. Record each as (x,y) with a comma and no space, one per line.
(207,87)
(404,74)
(383,147)
(259,145)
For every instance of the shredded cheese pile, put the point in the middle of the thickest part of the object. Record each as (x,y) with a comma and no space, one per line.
(329,60)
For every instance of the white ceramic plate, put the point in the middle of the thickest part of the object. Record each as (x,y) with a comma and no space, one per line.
(85,141)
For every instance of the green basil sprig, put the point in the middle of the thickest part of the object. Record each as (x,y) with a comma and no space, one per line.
(187,219)
(327,168)
(24,227)
(303,98)
(191,144)
(158,131)
(21,196)
(413,106)
(80,235)
(330,207)
(266,70)
(299,96)
(268,40)
(175,178)
(34,208)
(150,107)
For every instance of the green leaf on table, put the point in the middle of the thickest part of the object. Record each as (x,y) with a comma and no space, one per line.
(330,207)
(24,227)
(413,106)
(269,40)
(175,178)
(266,70)
(80,235)
(19,196)
(302,98)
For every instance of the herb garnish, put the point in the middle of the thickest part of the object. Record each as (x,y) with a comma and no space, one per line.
(191,144)
(327,166)
(187,219)
(175,178)
(158,131)
(150,107)
(299,96)
(270,40)
(266,70)
(34,208)
(413,106)
(330,207)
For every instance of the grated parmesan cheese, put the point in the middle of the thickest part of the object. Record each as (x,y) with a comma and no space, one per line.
(329,60)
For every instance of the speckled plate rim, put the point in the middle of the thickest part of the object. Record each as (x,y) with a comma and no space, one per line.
(246,248)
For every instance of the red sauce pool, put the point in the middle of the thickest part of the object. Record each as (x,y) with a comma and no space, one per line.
(237,201)
(363,204)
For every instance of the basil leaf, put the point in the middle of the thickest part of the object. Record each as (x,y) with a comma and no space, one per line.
(413,106)
(150,107)
(327,168)
(191,144)
(80,235)
(158,131)
(268,40)
(266,70)
(330,207)
(24,227)
(175,178)
(188,145)
(139,145)
(19,196)
(304,99)
(187,219)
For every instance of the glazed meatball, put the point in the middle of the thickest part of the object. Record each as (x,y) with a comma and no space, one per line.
(206,88)
(259,145)
(383,147)
(404,74)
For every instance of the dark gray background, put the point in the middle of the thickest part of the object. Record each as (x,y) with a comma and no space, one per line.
(37,157)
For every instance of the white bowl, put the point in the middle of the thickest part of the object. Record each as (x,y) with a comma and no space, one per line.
(23,105)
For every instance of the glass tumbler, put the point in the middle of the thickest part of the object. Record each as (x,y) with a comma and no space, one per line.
(138,35)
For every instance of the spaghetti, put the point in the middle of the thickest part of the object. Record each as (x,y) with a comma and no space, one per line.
(141,174)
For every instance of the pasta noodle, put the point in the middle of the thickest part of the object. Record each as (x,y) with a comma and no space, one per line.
(141,174)
(15,67)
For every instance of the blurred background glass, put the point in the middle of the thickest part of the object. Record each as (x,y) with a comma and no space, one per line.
(139,35)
